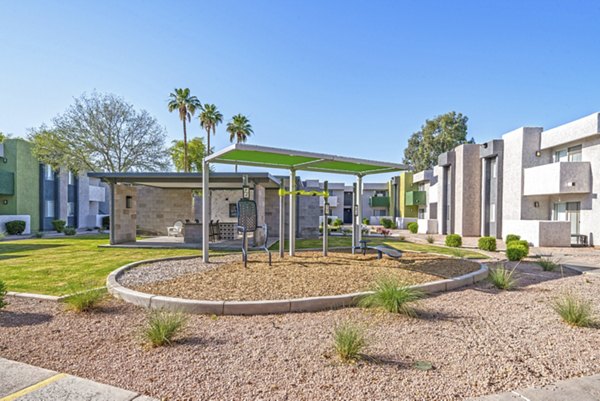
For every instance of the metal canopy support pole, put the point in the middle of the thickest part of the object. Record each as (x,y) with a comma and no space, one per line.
(292,240)
(353,217)
(359,207)
(282,223)
(205,210)
(325,214)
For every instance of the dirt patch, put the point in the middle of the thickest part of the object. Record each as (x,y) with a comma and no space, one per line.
(308,274)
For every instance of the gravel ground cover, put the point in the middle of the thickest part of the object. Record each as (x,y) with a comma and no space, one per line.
(305,275)
(478,340)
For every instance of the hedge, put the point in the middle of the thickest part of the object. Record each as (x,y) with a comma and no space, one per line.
(15,227)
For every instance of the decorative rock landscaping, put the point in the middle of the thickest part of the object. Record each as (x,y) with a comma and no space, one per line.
(307,282)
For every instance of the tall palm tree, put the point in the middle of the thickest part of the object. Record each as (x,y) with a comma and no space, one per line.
(210,117)
(181,100)
(239,129)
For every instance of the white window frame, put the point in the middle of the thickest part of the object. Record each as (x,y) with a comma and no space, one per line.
(48,172)
(49,211)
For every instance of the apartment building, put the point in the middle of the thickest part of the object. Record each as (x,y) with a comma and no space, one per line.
(38,194)
(427,197)
(550,195)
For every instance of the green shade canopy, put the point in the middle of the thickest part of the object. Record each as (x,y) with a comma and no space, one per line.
(262,156)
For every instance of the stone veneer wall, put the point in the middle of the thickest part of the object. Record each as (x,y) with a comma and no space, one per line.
(124,219)
(159,208)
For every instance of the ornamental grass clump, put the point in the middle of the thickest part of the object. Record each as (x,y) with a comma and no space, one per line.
(547,265)
(85,301)
(503,278)
(392,296)
(574,311)
(3,303)
(348,341)
(430,239)
(163,326)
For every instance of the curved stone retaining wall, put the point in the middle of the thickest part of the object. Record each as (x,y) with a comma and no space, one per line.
(311,304)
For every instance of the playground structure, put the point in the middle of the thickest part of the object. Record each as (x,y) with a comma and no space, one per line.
(293,161)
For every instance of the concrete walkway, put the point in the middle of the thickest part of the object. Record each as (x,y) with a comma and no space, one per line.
(19,381)
(577,389)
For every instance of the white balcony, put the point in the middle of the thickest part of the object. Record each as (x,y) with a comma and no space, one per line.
(558,178)
(333,201)
(97,194)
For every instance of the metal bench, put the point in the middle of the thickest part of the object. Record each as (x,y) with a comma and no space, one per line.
(381,249)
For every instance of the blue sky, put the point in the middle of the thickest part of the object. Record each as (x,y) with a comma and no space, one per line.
(354,78)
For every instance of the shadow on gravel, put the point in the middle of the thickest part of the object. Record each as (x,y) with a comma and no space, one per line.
(21,319)
(200,341)
(386,361)
(435,315)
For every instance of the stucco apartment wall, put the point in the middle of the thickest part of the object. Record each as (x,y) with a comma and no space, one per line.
(24,166)
(467,204)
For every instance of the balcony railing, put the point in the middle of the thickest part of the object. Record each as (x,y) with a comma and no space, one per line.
(379,201)
(416,198)
(558,178)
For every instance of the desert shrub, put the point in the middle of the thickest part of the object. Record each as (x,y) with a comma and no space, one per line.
(574,311)
(521,242)
(511,238)
(401,238)
(454,240)
(366,221)
(430,239)
(69,230)
(487,243)
(516,252)
(162,326)
(413,227)
(59,225)
(502,278)
(106,222)
(15,227)
(3,303)
(348,341)
(547,265)
(85,301)
(386,223)
(393,296)
(38,234)
(338,223)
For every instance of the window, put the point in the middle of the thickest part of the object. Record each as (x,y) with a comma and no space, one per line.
(49,210)
(70,209)
(494,163)
(421,186)
(492,213)
(128,202)
(232,210)
(572,154)
(48,172)
(71,178)
(421,214)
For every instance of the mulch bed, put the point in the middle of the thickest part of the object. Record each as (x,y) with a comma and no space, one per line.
(308,274)
(479,341)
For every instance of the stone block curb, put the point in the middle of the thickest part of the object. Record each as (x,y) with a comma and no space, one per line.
(309,304)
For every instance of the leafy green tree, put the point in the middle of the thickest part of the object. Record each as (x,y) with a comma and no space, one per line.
(3,136)
(102,132)
(181,100)
(436,136)
(196,152)
(239,128)
(210,117)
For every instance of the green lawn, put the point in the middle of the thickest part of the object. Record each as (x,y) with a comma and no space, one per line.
(58,266)
(391,242)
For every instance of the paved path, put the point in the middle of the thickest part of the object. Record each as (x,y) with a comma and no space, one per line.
(19,381)
(577,389)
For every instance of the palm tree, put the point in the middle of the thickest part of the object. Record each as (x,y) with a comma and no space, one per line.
(181,100)
(239,129)
(209,119)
